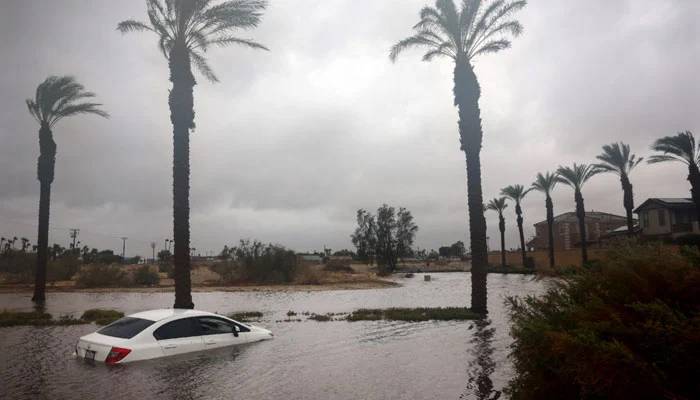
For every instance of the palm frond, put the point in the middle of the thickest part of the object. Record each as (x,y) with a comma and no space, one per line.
(56,97)
(676,148)
(515,192)
(197,24)
(545,183)
(577,175)
(618,159)
(497,204)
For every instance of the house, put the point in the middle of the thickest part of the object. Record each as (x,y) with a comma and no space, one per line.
(667,217)
(566,233)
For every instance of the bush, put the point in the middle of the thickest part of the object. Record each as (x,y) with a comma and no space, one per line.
(18,266)
(691,239)
(307,275)
(101,316)
(99,275)
(244,316)
(413,314)
(145,276)
(624,328)
(63,269)
(269,264)
(227,270)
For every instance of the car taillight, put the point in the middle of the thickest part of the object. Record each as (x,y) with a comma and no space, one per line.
(116,354)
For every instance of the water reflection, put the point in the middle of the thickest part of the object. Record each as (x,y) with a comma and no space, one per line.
(482,364)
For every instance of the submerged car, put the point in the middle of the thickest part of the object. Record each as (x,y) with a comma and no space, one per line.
(160,333)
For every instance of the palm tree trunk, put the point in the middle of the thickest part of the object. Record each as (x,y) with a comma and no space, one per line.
(45,173)
(550,229)
(519,213)
(502,229)
(581,215)
(181,103)
(694,179)
(466,98)
(628,202)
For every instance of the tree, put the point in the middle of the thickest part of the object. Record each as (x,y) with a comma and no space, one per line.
(56,98)
(575,177)
(462,35)
(616,158)
(681,148)
(517,193)
(405,233)
(364,238)
(186,29)
(545,184)
(386,238)
(499,205)
(457,249)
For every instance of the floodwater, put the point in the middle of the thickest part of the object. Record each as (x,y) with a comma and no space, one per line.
(305,360)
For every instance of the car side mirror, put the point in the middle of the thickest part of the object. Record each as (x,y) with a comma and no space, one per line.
(234,329)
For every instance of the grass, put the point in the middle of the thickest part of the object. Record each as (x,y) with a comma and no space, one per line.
(497,269)
(321,317)
(414,314)
(245,316)
(38,318)
(101,316)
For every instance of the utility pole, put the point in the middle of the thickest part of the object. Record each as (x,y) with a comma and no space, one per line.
(74,235)
(153,247)
(123,248)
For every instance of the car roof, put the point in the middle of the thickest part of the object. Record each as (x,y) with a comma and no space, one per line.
(166,313)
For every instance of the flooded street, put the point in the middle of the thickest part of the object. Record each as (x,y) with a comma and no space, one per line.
(305,360)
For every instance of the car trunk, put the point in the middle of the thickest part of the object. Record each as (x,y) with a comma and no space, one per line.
(96,347)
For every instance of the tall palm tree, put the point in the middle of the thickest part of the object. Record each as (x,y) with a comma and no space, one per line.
(186,29)
(477,28)
(517,193)
(681,148)
(499,205)
(617,159)
(575,177)
(56,98)
(545,184)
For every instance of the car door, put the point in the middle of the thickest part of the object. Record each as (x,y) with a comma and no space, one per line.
(218,332)
(179,336)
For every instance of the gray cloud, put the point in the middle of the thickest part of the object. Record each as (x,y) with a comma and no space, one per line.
(293,141)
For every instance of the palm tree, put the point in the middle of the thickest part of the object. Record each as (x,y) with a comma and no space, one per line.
(681,148)
(616,158)
(575,177)
(56,98)
(545,184)
(186,29)
(462,35)
(499,205)
(517,194)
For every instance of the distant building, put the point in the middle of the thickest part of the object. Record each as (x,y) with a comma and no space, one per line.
(667,217)
(566,233)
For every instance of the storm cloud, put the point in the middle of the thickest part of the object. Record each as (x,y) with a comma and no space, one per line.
(293,141)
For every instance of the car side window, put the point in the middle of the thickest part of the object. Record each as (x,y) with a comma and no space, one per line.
(214,326)
(185,327)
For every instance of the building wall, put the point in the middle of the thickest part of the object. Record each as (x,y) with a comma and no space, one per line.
(562,258)
(566,233)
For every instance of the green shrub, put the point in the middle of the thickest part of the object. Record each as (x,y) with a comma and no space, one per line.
(321,317)
(99,275)
(63,268)
(18,266)
(625,328)
(413,314)
(227,270)
(145,276)
(101,316)
(244,316)
(15,318)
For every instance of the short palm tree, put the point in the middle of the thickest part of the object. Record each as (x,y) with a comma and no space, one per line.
(186,29)
(56,98)
(616,158)
(499,205)
(575,177)
(681,148)
(545,184)
(477,28)
(517,193)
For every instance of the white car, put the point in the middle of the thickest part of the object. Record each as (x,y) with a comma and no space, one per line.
(161,333)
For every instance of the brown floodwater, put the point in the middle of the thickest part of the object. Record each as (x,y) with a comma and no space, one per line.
(305,360)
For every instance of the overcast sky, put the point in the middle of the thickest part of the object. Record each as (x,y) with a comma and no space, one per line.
(293,141)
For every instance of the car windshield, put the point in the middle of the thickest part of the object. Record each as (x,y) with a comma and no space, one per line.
(126,328)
